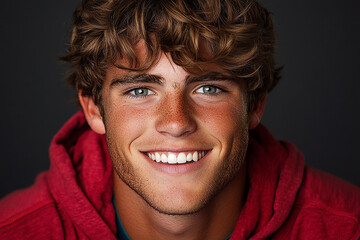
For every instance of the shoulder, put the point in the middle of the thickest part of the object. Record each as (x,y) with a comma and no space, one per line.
(325,207)
(29,213)
(327,190)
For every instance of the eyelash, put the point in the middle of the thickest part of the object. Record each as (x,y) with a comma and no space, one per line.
(131,92)
(218,90)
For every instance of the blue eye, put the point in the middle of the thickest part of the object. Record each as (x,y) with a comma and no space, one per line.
(208,89)
(140,92)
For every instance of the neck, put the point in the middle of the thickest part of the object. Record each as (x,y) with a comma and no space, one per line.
(215,221)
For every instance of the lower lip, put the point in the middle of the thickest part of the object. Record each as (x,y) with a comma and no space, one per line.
(175,169)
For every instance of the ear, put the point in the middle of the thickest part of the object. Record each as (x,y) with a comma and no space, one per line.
(92,113)
(256,113)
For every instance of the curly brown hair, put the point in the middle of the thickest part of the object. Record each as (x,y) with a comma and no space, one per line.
(238,33)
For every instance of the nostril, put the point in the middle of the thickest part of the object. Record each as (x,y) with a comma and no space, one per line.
(176,128)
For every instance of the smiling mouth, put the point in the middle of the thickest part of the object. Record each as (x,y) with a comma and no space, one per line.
(176,158)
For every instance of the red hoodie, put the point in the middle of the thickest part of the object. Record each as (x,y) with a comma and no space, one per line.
(285,200)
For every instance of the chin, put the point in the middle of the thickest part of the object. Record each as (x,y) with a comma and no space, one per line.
(178,208)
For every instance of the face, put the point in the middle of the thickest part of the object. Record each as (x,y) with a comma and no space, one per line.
(175,139)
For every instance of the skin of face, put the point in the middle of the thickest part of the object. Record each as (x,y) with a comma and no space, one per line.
(166,110)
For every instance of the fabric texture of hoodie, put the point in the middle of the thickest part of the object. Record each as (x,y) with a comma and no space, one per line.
(285,200)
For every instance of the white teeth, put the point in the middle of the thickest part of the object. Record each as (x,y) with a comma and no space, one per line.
(164,158)
(195,156)
(157,157)
(172,158)
(181,158)
(189,157)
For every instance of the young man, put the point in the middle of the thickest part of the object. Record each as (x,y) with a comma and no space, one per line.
(169,144)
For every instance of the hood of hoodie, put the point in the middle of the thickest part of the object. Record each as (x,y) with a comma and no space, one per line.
(275,173)
(80,180)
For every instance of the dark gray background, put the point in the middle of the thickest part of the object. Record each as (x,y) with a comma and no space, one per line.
(316,105)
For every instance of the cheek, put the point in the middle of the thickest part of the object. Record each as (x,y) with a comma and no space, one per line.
(225,120)
(125,123)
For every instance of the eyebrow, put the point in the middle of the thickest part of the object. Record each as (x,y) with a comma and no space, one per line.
(212,76)
(137,78)
(150,78)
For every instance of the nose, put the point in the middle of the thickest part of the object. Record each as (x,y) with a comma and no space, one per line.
(175,116)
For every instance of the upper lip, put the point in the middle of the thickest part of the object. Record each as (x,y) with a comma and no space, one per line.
(176,150)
